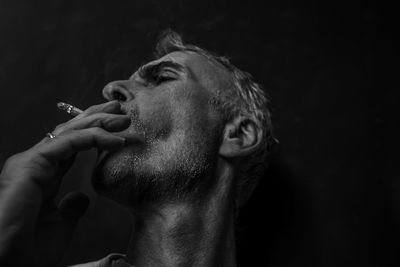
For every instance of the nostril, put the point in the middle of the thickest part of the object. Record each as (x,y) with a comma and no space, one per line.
(115,95)
(117,90)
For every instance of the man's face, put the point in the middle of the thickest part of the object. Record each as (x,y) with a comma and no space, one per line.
(174,133)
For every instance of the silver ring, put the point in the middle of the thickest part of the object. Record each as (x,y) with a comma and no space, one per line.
(50,135)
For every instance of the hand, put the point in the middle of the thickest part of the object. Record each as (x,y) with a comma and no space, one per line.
(33,231)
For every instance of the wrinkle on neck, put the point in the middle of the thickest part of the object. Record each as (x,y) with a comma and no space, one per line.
(188,234)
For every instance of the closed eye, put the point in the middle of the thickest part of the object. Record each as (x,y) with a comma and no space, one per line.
(161,72)
(163,78)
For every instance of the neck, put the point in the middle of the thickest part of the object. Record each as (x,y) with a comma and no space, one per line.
(187,234)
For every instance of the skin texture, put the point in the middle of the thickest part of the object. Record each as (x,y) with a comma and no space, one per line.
(181,134)
(177,186)
(164,153)
(34,231)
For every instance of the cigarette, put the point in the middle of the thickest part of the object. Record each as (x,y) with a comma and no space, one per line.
(70,109)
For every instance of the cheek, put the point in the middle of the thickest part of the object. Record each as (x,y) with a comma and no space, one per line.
(193,112)
(155,116)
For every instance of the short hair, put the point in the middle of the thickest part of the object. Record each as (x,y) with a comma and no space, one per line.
(248,99)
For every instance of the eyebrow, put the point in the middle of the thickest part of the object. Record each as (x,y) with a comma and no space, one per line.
(151,70)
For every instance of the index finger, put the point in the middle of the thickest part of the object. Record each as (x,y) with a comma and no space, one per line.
(113,107)
(70,142)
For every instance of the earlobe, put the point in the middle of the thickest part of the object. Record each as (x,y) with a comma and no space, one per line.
(241,138)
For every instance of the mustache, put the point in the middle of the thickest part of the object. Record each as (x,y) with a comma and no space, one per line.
(150,129)
(139,127)
(136,132)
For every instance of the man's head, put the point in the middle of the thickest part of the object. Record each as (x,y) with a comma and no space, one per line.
(190,108)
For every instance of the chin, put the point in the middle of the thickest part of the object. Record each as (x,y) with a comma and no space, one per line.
(136,178)
(113,172)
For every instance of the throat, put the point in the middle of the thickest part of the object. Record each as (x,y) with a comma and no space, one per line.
(185,234)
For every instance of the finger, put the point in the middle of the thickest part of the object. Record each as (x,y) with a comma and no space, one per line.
(67,143)
(73,206)
(113,107)
(109,122)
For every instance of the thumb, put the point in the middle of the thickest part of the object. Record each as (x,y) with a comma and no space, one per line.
(73,206)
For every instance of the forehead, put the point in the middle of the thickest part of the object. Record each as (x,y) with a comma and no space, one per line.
(207,72)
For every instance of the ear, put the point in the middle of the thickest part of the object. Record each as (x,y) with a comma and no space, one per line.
(241,138)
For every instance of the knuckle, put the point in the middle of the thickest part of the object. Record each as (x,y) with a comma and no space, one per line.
(97,117)
(62,133)
(95,108)
(95,131)
(18,158)
(60,126)
(13,158)
(91,109)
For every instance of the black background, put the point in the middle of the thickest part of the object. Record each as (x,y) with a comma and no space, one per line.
(332,194)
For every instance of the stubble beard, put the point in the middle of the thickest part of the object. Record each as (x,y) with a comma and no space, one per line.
(158,172)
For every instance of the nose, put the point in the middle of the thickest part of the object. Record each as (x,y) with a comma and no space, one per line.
(118,90)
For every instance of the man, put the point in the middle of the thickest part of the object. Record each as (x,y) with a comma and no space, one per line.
(181,143)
